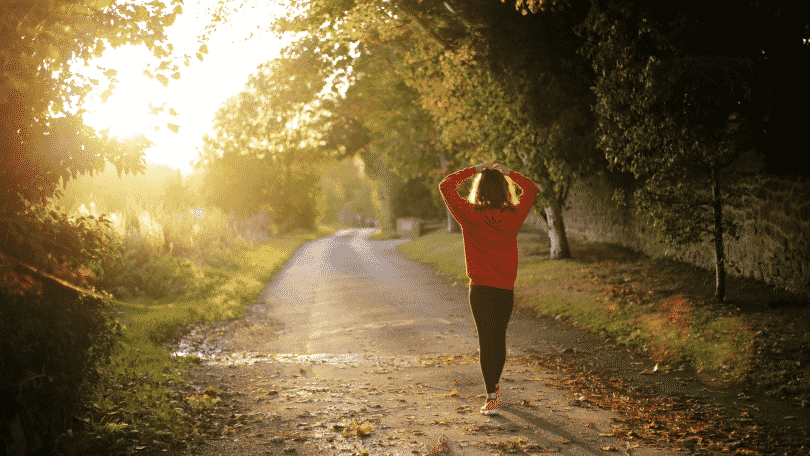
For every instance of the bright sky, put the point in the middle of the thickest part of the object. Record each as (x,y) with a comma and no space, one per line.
(196,95)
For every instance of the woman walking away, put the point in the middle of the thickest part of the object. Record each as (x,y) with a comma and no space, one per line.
(490,220)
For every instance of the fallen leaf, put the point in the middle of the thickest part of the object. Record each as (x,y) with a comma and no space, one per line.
(366,428)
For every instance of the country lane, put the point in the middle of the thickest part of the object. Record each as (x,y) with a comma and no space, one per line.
(352,349)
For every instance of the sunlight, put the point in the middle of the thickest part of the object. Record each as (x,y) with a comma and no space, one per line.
(126,112)
(235,50)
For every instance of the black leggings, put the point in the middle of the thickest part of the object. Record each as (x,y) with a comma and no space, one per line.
(491,309)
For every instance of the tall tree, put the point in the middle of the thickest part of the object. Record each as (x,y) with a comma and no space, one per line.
(533,46)
(680,106)
(271,130)
(64,338)
(499,85)
(401,137)
(523,95)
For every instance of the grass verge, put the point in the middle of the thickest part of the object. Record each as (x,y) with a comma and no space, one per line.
(384,235)
(141,401)
(661,308)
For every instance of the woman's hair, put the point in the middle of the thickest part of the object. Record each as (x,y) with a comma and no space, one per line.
(492,190)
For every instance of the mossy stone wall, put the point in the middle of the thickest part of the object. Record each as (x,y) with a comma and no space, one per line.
(774,243)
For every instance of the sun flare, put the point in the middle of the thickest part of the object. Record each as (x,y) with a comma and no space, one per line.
(234,52)
(126,112)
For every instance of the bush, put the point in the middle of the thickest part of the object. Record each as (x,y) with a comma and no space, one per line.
(141,270)
(414,199)
(52,345)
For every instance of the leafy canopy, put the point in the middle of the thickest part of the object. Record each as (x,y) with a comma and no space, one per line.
(672,112)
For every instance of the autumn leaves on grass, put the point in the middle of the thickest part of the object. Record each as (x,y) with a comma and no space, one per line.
(677,332)
(635,303)
(624,302)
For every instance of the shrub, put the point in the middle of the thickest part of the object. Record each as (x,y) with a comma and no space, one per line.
(52,345)
(142,270)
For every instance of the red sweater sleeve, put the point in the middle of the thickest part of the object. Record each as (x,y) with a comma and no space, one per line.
(530,192)
(459,207)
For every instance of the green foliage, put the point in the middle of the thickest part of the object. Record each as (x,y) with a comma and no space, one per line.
(345,191)
(671,114)
(53,241)
(42,134)
(155,241)
(389,110)
(414,199)
(54,341)
(141,270)
(266,141)
(436,82)
(132,402)
(675,109)
(107,192)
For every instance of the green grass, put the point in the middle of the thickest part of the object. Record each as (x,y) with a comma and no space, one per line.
(238,277)
(384,235)
(606,289)
(443,250)
(136,398)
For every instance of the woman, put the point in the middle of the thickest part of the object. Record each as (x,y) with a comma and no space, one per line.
(490,220)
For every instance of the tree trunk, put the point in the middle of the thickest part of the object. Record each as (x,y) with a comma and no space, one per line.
(452,224)
(556,233)
(719,251)
(383,190)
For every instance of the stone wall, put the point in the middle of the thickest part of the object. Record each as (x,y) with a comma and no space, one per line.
(409,227)
(774,243)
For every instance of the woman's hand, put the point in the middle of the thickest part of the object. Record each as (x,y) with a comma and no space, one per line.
(482,167)
(503,169)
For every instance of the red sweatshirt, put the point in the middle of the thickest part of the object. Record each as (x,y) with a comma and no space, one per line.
(490,235)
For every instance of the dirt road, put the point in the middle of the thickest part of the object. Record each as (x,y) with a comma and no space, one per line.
(353,349)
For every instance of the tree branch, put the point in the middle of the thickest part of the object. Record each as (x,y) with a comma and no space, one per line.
(425,29)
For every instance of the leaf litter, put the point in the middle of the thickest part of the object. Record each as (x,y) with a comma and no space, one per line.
(683,422)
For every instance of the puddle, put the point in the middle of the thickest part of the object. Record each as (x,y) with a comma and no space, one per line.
(212,355)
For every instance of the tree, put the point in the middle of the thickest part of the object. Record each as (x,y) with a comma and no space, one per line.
(414,199)
(522,96)
(679,107)
(268,139)
(43,138)
(66,335)
(400,135)
(533,50)
(458,56)
(498,84)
